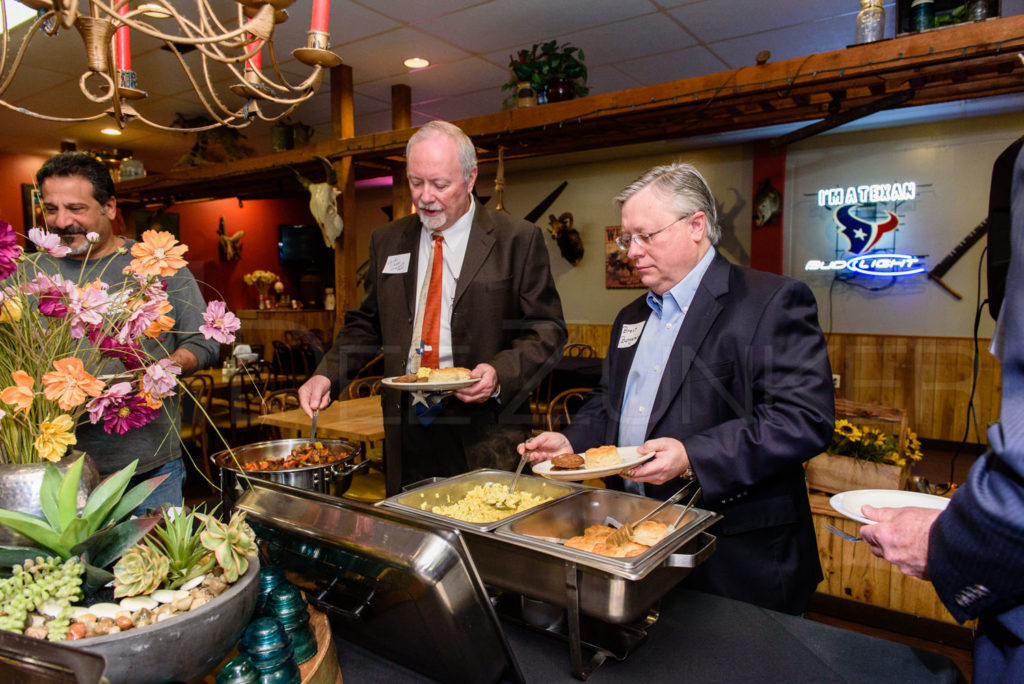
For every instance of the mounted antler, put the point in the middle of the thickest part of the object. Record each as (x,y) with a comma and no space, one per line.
(323,203)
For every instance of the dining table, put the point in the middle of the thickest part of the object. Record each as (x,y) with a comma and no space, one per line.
(357,420)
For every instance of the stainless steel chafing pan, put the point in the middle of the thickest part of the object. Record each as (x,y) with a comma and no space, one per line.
(524,556)
(443,492)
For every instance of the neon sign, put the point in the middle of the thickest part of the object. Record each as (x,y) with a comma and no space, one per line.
(864,194)
(875,264)
(866,227)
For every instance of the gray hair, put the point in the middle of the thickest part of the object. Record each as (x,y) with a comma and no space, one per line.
(463,145)
(685,188)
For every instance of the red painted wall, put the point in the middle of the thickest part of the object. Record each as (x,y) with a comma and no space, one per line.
(15,170)
(259,219)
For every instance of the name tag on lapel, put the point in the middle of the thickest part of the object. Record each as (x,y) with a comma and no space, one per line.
(630,334)
(396,263)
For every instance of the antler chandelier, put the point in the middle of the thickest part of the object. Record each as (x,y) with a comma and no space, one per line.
(108,79)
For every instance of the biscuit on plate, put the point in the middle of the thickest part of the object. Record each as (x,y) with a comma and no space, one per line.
(602,457)
(449,374)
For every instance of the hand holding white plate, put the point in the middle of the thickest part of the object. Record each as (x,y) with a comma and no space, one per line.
(630,457)
(850,503)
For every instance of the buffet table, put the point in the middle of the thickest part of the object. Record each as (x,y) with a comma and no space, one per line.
(705,638)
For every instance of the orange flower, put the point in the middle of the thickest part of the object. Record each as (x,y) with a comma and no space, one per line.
(158,254)
(20,394)
(163,323)
(149,400)
(70,384)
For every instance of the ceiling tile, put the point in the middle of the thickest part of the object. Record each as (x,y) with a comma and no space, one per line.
(713,20)
(671,66)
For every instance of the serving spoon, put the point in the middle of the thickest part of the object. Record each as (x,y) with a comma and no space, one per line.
(504,504)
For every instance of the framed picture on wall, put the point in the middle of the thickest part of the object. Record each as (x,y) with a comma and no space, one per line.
(619,273)
(31,207)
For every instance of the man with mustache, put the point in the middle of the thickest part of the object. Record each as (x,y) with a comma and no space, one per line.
(79,203)
(500,316)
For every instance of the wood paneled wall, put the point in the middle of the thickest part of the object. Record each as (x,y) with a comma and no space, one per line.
(930,377)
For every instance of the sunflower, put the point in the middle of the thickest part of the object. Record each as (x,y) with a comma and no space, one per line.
(845,428)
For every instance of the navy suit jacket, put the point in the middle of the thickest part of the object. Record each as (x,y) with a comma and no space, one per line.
(748,391)
(506,312)
(976,547)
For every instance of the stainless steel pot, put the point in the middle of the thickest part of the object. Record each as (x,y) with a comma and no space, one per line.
(333,478)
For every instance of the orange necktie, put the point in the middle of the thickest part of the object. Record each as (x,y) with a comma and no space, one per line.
(432,311)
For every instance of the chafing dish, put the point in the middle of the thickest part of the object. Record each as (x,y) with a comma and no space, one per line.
(442,492)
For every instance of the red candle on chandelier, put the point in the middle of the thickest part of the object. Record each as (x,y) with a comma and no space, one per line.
(321,15)
(256,61)
(123,43)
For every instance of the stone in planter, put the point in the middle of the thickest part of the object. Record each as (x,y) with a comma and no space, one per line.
(833,474)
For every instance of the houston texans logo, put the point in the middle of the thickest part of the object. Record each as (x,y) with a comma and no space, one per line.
(861,233)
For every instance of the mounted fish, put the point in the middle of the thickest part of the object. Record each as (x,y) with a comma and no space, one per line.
(570,244)
(323,203)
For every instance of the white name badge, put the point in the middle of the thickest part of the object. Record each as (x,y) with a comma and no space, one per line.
(397,263)
(630,334)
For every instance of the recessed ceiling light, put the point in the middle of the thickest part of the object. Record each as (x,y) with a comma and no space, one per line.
(111,131)
(416,63)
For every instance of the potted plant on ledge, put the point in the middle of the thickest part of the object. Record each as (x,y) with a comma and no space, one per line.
(555,70)
(864,457)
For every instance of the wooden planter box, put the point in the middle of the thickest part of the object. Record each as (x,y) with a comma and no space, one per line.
(833,474)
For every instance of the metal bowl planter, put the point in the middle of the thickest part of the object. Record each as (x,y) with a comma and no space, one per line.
(182,648)
(19,490)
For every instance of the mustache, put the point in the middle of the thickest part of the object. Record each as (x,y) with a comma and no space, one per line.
(69,231)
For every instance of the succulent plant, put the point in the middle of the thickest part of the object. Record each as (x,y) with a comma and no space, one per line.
(177,538)
(99,534)
(231,543)
(141,570)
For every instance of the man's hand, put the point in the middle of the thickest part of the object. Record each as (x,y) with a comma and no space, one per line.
(545,446)
(315,394)
(479,392)
(669,462)
(900,536)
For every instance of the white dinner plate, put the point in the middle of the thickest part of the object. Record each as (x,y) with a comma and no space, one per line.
(850,503)
(427,386)
(629,455)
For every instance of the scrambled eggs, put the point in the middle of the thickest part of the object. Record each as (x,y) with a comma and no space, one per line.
(478,504)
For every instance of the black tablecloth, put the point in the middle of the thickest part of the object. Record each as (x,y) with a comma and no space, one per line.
(705,638)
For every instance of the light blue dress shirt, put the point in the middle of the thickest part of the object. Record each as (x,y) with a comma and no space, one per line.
(652,354)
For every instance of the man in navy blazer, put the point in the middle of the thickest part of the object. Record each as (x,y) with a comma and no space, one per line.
(973,552)
(722,373)
(500,316)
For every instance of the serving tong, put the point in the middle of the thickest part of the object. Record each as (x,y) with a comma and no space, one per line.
(625,532)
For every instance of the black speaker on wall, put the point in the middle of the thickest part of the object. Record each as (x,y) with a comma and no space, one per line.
(999,202)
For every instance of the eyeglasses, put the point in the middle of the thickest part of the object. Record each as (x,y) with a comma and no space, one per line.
(644,239)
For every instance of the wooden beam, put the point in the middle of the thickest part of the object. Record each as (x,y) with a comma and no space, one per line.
(343,127)
(401,118)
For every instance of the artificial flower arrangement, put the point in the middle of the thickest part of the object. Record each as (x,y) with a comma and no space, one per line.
(263,280)
(55,333)
(871,444)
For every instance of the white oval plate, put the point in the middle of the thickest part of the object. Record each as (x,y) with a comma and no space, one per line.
(850,503)
(427,386)
(630,458)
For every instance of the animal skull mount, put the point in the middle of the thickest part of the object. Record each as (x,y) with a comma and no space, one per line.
(323,203)
(570,244)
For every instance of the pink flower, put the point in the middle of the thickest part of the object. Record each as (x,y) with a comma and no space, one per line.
(126,414)
(53,295)
(9,250)
(87,306)
(130,353)
(113,396)
(48,242)
(220,323)
(159,379)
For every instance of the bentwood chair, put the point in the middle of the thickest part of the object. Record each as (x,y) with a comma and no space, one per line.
(368,386)
(195,401)
(563,405)
(246,391)
(278,401)
(579,350)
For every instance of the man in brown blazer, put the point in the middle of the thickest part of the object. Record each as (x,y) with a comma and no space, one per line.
(501,317)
